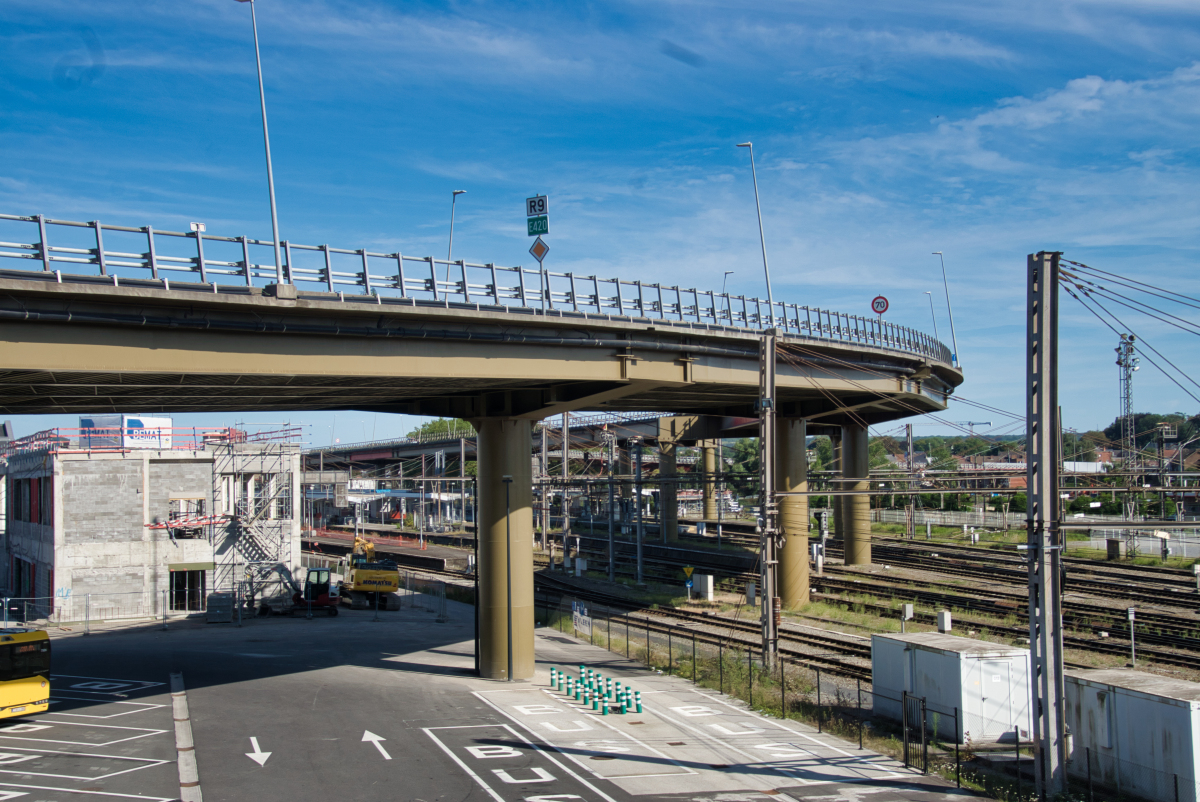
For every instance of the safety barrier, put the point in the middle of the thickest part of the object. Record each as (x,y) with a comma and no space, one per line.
(143,254)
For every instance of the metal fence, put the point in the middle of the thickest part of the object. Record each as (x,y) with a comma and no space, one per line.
(143,254)
(97,610)
(423,593)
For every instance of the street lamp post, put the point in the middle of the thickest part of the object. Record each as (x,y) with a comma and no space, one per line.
(946,284)
(450,249)
(267,144)
(508,565)
(728,303)
(761,237)
(933,315)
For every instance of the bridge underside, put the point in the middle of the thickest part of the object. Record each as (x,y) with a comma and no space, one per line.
(76,348)
(73,350)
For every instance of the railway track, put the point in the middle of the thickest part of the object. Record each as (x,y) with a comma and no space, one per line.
(731,633)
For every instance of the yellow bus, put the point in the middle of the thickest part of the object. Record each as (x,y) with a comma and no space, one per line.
(24,672)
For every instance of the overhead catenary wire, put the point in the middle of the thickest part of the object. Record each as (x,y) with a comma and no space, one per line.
(1141,340)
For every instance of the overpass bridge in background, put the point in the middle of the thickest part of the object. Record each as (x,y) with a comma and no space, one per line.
(100,318)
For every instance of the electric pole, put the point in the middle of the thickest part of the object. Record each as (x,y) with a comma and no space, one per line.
(771,605)
(1044,543)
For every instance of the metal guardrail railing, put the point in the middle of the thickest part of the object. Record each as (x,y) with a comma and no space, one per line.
(117,252)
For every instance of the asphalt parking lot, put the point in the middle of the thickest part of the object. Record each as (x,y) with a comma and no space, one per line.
(350,708)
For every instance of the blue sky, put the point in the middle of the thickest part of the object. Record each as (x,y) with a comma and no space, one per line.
(881,134)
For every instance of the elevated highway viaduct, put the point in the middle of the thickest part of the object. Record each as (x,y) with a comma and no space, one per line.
(99,342)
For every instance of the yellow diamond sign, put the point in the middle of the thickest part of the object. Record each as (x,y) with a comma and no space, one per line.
(539,249)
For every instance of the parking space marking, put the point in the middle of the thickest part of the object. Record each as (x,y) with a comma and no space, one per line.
(794,760)
(103,686)
(16,757)
(140,707)
(511,745)
(591,722)
(864,758)
(140,797)
(464,766)
(18,730)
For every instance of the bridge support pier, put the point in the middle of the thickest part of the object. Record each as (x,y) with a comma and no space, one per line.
(791,475)
(856,466)
(505,546)
(709,479)
(668,494)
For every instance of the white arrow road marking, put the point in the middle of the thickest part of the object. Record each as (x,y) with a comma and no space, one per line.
(258,755)
(375,739)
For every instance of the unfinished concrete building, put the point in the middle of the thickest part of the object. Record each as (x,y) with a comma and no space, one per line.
(161,527)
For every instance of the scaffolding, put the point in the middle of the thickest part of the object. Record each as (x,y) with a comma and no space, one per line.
(254,490)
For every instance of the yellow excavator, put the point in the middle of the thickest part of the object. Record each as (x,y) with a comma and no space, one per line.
(366,579)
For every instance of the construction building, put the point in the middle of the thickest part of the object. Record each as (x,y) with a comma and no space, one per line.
(167,519)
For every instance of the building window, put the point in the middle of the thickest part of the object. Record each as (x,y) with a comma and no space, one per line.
(187,590)
(30,500)
(183,511)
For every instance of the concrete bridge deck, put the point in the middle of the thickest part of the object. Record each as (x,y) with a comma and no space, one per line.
(120,335)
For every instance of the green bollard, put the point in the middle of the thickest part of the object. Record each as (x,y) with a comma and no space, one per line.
(637,698)
(553,677)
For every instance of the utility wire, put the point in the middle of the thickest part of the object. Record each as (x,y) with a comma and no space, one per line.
(1143,342)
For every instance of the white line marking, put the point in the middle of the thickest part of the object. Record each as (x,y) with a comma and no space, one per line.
(643,744)
(150,763)
(864,758)
(258,755)
(141,707)
(92,793)
(375,739)
(429,731)
(537,748)
(144,732)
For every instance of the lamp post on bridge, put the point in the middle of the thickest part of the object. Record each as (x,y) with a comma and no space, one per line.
(762,238)
(450,248)
(267,144)
(933,316)
(949,309)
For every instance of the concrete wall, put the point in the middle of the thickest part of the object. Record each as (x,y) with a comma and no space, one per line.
(107,502)
(102,502)
(1138,736)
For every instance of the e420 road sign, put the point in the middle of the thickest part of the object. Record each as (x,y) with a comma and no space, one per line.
(538,225)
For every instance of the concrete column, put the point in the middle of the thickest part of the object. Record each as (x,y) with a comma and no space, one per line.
(504,449)
(791,474)
(668,495)
(835,502)
(856,465)
(709,475)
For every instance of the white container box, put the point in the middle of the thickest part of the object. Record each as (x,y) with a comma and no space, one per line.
(988,683)
(1140,731)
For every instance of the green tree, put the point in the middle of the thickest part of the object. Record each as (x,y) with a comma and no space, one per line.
(743,454)
(451,427)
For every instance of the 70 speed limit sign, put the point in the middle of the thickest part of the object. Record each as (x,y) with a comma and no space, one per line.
(879,304)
